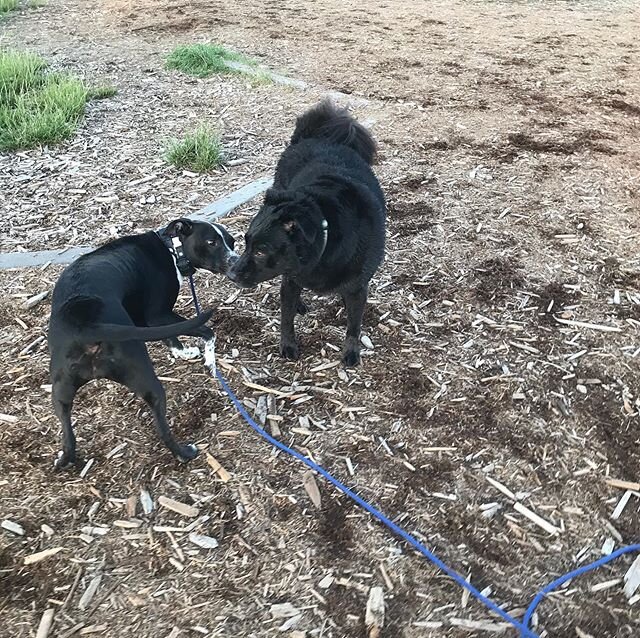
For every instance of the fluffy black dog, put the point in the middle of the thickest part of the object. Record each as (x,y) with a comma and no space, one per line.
(322,224)
(110,301)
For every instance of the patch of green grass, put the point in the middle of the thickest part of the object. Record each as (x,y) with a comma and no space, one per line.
(36,107)
(200,151)
(36,4)
(102,92)
(204,60)
(8,5)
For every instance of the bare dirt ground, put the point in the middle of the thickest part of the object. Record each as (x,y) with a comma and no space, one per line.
(510,155)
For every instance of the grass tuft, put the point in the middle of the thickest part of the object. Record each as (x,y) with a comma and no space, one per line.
(8,5)
(204,60)
(200,151)
(36,107)
(102,92)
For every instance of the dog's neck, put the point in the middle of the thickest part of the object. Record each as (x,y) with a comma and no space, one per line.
(184,268)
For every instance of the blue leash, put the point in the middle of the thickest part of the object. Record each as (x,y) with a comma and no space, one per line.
(523,626)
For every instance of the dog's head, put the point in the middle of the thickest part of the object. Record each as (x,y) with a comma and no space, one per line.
(287,236)
(207,246)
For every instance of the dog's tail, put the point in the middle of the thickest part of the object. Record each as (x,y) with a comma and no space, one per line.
(81,313)
(329,122)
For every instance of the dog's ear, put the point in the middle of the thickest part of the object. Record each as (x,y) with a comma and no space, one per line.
(180,227)
(305,225)
(275,196)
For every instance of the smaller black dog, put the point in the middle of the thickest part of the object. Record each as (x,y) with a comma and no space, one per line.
(109,301)
(322,225)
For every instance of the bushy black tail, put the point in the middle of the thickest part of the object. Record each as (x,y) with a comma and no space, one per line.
(329,122)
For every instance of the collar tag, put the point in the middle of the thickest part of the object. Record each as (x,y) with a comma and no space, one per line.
(173,243)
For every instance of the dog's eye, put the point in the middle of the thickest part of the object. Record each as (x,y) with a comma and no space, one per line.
(211,242)
(259,253)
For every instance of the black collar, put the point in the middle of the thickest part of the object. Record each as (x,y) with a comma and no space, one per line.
(174,245)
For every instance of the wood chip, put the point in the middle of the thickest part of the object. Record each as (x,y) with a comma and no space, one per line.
(45,624)
(366,342)
(290,623)
(132,504)
(480,625)
(36,299)
(93,629)
(632,578)
(538,520)
(284,610)
(223,475)
(8,418)
(622,503)
(502,488)
(374,615)
(27,349)
(311,487)
(385,576)
(262,388)
(205,542)
(146,501)
(89,592)
(87,467)
(584,324)
(623,485)
(43,555)
(607,584)
(12,527)
(132,524)
(326,582)
(179,508)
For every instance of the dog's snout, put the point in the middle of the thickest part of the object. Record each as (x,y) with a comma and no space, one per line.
(232,271)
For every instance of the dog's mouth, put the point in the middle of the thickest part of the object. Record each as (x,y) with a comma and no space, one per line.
(238,281)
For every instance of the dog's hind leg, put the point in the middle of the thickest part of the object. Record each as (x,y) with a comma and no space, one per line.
(289,304)
(140,377)
(63,391)
(354,303)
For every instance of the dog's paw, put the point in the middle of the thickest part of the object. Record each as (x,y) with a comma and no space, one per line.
(351,357)
(302,308)
(65,461)
(289,350)
(186,353)
(187,453)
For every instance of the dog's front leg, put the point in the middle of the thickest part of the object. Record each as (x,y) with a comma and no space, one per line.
(354,303)
(289,302)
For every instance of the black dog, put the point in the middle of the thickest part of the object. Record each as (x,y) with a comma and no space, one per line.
(322,225)
(108,302)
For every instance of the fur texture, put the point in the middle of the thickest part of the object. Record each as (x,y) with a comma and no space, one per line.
(322,224)
(108,302)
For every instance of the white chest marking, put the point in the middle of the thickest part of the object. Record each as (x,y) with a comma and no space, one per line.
(175,265)
(210,355)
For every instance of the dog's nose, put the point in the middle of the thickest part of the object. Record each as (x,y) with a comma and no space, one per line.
(232,273)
